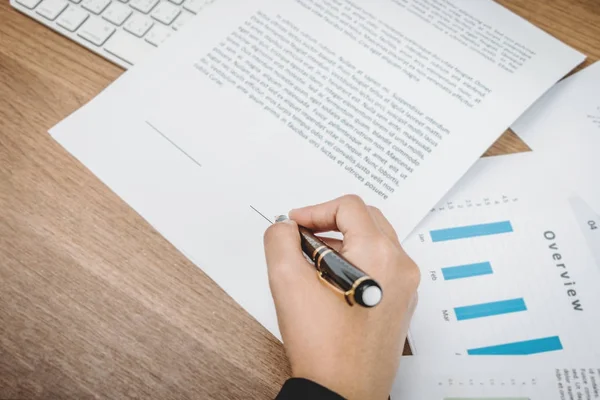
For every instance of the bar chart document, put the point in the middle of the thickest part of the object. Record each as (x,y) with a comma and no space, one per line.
(514,278)
(498,378)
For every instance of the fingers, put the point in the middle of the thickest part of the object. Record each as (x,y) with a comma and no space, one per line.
(283,252)
(347,214)
(383,224)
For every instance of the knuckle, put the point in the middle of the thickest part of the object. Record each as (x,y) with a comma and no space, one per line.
(401,265)
(411,273)
(352,199)
(375,210)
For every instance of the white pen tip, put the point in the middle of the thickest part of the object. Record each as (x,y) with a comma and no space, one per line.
(371,296)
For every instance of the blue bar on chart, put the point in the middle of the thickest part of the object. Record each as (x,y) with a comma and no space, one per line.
(467,271)
(490,309)
(471,231)
(527,347)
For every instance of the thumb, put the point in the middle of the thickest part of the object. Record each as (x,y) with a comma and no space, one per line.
(285,261)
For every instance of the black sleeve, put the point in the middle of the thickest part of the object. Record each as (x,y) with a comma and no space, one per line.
(303,389)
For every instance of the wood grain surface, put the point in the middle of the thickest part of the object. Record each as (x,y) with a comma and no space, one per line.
(94,303)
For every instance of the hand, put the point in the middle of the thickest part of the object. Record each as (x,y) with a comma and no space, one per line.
(353,351)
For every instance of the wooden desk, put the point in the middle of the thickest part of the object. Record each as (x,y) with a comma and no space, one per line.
(93,301)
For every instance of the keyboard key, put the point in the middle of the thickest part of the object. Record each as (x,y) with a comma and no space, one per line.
(143,5)
(96,31)
(194,6)
(181,20)
(75,1)
(72,18)
(117,13)
(29,3)
(157,35)
(51,9)
(95,6)
(165,13)
(138,25)
(178,2)
(127,47)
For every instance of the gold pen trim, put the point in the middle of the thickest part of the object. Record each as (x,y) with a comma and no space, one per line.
(334,287)
(314,254)
(323,254)
(349,295)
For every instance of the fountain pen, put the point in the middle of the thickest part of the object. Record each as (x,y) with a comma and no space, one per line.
(340,274)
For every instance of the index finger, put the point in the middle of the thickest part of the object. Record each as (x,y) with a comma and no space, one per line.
(348,214)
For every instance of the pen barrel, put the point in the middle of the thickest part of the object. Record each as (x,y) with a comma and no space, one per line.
(335,268)
(310,243)
(339,270)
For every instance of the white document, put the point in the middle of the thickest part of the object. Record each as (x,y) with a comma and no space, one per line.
(393,100)
(498,378)
(281,104)
(508,260)
(564,128)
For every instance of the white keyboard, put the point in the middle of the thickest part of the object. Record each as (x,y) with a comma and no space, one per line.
(123,31)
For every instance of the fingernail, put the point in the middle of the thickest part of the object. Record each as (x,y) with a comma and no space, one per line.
(282,218)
